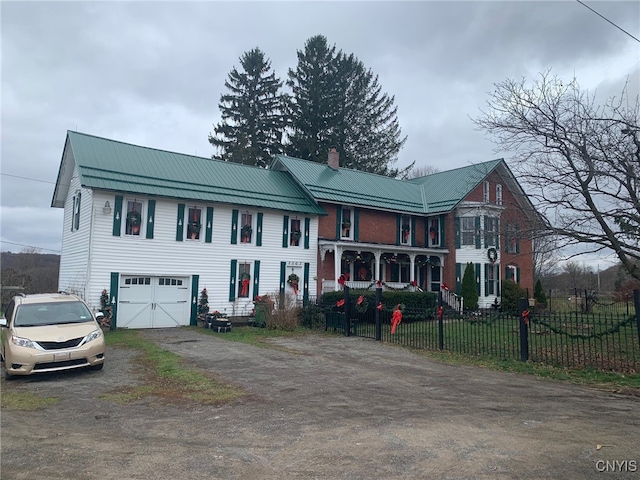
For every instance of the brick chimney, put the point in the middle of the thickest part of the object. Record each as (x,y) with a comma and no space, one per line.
(333,159)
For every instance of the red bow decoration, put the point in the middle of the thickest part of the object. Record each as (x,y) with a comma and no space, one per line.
(340,302)
(245,288)
(341,280)
(440,312)
(294,285)
(414,283)
(380,307)
(525,315)
(360,299)
(379,283)
(444,287)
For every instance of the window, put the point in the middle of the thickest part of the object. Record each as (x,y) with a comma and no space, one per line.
(434,232)
(246,228)
(138,281)
(346,230)
(491,273)
(512,273)
(133,223)
(169,282)
(295,234)
(75,221)
(244,279)
(468,230)
(405,229)
(491,231)
(512,238)
(194,223)
(485,192)
(499,194)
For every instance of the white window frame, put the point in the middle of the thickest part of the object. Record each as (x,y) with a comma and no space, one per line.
(125,227)
(242,222)
(292,221)
(405,220)
(75,214)
(498,194)
(435,224)
(349,230)
(491,236)
(492,278)
(187,221)
(485,192)
(241,271)
(466,231)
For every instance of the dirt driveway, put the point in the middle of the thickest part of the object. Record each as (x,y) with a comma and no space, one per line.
(322,408)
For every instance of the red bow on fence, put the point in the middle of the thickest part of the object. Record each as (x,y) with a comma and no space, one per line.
(525,315)
(440,312)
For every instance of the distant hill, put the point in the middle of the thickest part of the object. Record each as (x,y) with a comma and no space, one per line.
(34,272)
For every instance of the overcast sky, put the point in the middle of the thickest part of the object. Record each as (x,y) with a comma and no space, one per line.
(151,73)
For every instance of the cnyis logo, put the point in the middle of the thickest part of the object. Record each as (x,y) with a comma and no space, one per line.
(616,466)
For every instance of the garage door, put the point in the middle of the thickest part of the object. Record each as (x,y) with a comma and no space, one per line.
(153,302)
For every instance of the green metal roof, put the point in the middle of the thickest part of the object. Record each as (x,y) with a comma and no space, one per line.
(444,190)
(111,165)
(354,187)
(436,193)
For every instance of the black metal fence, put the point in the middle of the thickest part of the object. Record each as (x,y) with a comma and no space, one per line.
(604,338)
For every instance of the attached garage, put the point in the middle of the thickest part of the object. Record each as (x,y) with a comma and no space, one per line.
(153,301)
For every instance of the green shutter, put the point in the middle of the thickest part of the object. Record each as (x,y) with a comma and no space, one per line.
(458,277)
(76,218)
(234,227)
(256,277)
(477,267)
(285,231)
(259,227)
(114,289)
(338,222)
(117,216)
(283,272)
(305,284)
(517,233)
(151,213)
(442,220)
(208,232)
(307,228)
(179,223)
(356,224)
(193,321)
(457,232)
(413,231)
(398,225)
(477,232)
(232,280)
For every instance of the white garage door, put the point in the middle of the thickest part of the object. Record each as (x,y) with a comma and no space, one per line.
(153,302)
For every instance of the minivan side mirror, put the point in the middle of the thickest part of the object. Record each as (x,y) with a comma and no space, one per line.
(3,322)
(99,315)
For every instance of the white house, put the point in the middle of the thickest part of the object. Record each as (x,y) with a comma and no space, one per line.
(154,228)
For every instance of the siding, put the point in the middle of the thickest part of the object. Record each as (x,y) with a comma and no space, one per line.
(163,255)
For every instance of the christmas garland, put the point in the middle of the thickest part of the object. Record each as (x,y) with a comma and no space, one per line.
(293,280)
(492,255)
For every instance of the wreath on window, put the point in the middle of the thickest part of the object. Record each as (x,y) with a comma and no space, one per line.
(246,231)
(133,218)
(293,280)
(492,255)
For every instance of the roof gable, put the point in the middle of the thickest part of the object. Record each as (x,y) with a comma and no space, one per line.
(117,166)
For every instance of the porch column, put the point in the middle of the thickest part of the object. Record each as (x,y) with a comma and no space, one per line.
(337,257)
(412,263)
(376,272)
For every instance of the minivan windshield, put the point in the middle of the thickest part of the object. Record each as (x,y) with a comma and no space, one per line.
(36,314)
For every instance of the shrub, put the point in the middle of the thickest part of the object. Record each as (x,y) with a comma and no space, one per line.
(538,294)
(511,293)
(469,288)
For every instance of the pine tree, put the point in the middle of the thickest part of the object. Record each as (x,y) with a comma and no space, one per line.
(469,288)
(203,303)
(338,102)
(538,293)
(253,120)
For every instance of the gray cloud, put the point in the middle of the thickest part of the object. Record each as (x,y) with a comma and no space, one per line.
(151,73)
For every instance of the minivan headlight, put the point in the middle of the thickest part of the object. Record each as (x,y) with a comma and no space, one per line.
(22,342)
(93,335)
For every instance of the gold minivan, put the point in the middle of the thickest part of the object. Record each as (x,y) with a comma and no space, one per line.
(50,332)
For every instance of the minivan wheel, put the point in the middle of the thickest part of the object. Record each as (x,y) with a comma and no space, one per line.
(97,367)
(7,375)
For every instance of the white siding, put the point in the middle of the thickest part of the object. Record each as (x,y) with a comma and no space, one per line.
(74,260)
(163,255)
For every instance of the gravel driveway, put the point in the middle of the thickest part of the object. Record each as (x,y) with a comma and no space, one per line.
(322,407)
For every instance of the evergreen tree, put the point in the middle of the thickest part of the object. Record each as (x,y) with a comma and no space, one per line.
(538,293)
(253,120)
(338,102)
(203,303)
(469,288)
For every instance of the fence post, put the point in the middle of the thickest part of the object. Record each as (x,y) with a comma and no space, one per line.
(636,304)
(440,321)
(347,312)
(523,313)
(377,314)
